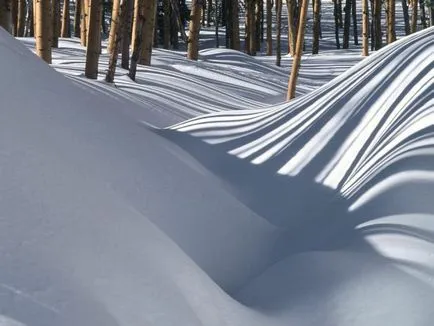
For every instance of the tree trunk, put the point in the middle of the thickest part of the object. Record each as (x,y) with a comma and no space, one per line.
(217,41)
(21,19)
(77,18)
(422,14)
(84,21)
(290,5)
(251,24)
(336,15)
(42,31)
(208,12)
(118,36)
(6,15)
(30,20)
(365,27)
(298,51)
(278,31)
(354,15)
(56,23)
(93,39)
(259,7)
(126,22)
(229,24)
(149,12)
(347,24)
(194,28)
(269,28)
(113,26)
(377,25)
(431,15)
(136,19)
(65,32)
(137,42)
(414,16)
(316,25)
(14,12)
(204,13)
(406,17)
(235,35)
(166,26)
(391,35)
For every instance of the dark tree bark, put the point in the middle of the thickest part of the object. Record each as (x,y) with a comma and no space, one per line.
(391,35)
(21,19)
(259,7)
(166,24)
(354,15)
(377,25)
(347,24)
(278,30)
(126,25)
(77,13)
(56,23)
(217,40)
(94,39)
(336,15)
(269,28)
(316,25)
(423,19)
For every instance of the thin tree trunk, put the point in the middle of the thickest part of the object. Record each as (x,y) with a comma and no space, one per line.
(406,17)
(14,12)
(166,24)
(422,14)
(56,23)
(354,15)
(347,24)
(336,15)
(21,17)
(94,39)
(217,41)
(208,12)
(65,32)
(148,27)
(251,27)
(117,44)
(6,15)
(103,24)
(30,20)
(316,25)
(391,36)
(42,31)
(431,15)
(269,28)
(278,31)
(83,21)
(113,26)
(194,28)
(204,13)
(290,4)
(229,24)
(137,44)
(298,51)
(77,18)
(136,19)
(235,35)
(414,16)
(258,30)
(365,28)
(377,25)
(126,22)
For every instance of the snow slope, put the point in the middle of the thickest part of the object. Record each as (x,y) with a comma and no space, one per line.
(104,222)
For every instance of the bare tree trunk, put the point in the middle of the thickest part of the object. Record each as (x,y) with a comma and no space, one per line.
(391,36)
(56,23)
(30,20)
(414,16)
(336,16)
(316,25)
(365,27)
(65,32)
(77,18)
(235,37)
(21,19)
(14,11)
(217,41)
(251,27)
(290,5)
(136,19)
(269,28)
(137,43)
(258,30)
(148,27)
(194,28)
(347,24)
(94,39)
(117,44)
(354,15)
(43,25)
(84,21)
(227,12)
(377,25)
(208,12)
(406,17)
(422,14)
(166,22)
(113,26)
(298,51)
(431,15)
(278,31)
(126,22)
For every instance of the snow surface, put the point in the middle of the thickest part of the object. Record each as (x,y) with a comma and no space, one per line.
(316,212)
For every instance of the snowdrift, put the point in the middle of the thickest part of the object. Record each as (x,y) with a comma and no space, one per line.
(105,222)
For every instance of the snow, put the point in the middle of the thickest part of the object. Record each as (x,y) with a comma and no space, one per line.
(313,212)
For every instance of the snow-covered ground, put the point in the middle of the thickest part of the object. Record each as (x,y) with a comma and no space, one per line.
(313,212)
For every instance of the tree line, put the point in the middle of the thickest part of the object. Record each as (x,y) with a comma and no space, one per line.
(136,26)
